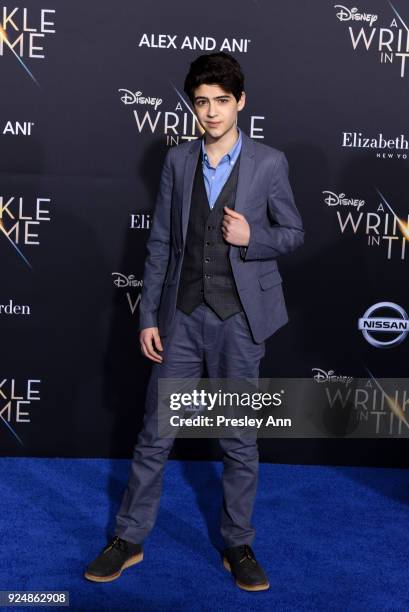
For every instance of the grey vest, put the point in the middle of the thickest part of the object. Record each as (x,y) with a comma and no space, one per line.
(206,273)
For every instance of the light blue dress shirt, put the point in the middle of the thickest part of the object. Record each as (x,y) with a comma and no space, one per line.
(215,178)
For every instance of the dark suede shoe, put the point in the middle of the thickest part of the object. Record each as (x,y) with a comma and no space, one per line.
(248,573)
(115,557)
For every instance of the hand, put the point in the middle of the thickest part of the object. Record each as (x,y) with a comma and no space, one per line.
(150,339)
(235,228)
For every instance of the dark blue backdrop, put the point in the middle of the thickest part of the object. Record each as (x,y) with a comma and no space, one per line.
(92,96)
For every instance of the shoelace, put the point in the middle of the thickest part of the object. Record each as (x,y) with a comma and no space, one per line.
(116,543)
(248,554)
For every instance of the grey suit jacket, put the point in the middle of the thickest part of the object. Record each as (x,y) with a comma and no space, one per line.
(264,197)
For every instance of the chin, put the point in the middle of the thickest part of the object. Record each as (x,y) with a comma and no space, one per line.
(216,131)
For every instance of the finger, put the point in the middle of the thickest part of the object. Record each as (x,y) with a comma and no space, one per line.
(152,358)
(157,341)
(232,213)
(150,352)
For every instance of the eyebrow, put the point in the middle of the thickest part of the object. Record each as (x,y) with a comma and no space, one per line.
(215,98)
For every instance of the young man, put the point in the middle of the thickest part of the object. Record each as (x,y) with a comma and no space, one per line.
(211,296)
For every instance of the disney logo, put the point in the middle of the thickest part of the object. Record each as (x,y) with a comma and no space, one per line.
(346,14)
(322,376)
(126,281)
(136,97)
(333,199)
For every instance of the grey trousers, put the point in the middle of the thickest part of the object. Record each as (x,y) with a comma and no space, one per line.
(228,350)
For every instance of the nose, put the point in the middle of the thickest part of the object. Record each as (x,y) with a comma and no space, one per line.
(211,109)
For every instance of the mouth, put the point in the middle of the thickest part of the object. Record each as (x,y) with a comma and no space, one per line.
(213,124)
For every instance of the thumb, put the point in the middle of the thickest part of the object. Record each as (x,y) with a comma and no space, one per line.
(232,213)
(156,338)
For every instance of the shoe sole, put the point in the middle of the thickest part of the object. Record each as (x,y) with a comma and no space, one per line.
(242,585)
(132,561)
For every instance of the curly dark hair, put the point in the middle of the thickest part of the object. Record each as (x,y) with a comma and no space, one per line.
(215,68)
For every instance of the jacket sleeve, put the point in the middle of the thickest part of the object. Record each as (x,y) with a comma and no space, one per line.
(284,232)
(158,248)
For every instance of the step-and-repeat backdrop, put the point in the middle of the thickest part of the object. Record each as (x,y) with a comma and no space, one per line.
(91,99)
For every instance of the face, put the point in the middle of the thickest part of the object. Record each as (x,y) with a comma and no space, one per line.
(216,110)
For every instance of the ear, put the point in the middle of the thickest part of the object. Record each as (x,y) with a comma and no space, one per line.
(241,103)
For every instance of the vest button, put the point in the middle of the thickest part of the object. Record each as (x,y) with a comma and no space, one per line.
(207,259)
(207,275)
(207,243)
(209,227)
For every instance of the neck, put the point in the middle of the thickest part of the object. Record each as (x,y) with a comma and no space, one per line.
(222,145)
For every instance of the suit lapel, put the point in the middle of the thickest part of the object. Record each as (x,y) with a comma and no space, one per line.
(246,172)
(189,172)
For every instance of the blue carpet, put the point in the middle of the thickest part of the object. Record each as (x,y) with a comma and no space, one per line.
(329,538)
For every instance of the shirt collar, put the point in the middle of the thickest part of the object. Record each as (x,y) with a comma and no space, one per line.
(231,156)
